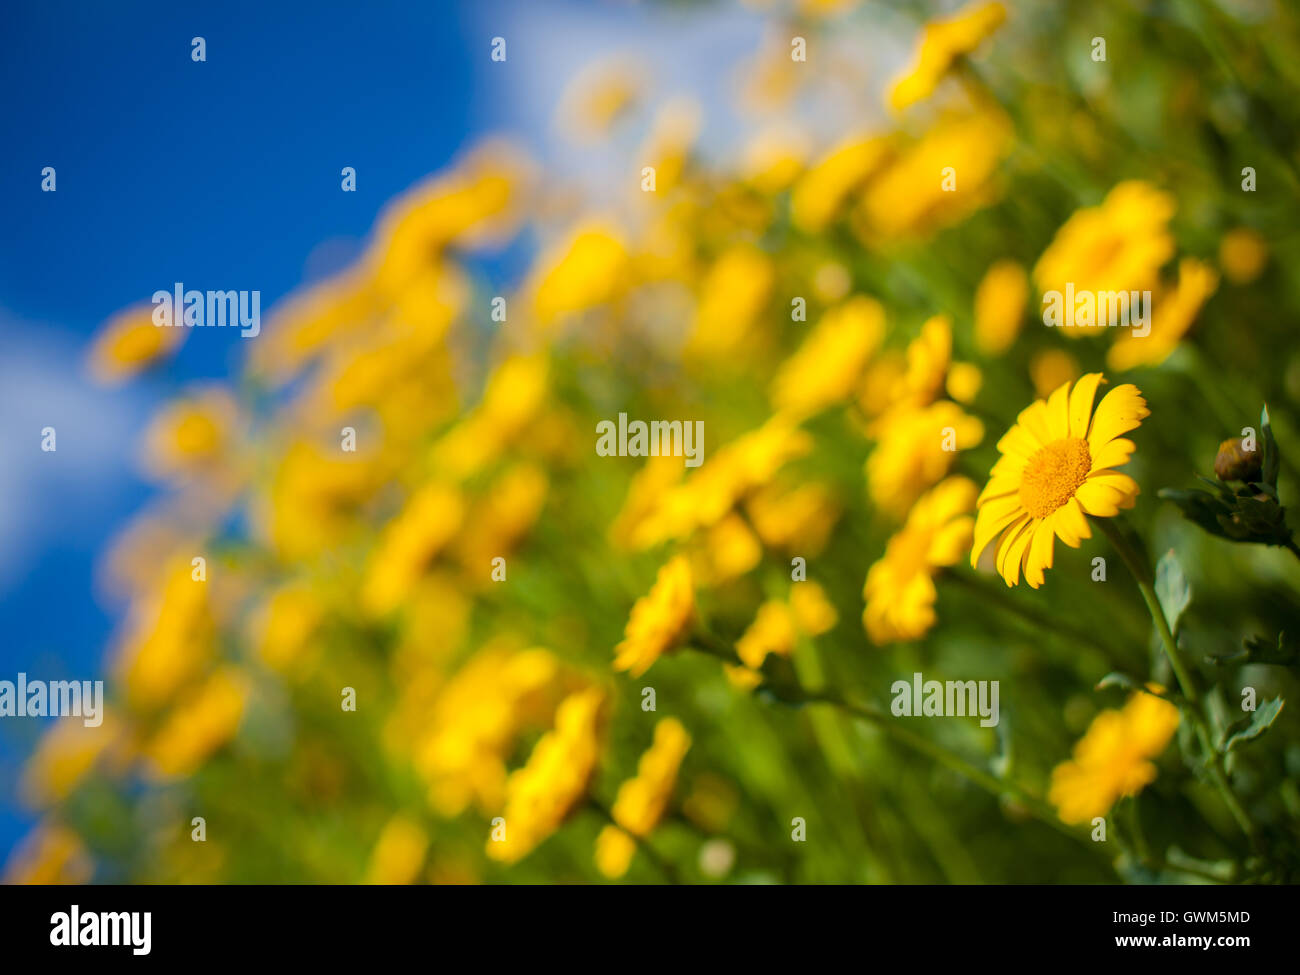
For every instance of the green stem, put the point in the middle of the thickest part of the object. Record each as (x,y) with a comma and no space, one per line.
(792,692)
(1138,565)
(937,753)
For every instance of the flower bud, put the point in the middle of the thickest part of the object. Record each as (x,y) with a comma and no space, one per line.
(1234,463)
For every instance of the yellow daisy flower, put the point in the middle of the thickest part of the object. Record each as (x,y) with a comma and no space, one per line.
(1117,246)
(129,343)
(900,589)
(660,620)
(1173,316)
(914,451)
(1000,303)
(1113,758)
(1243,254)
(942,42)
(1055,469)
(643,799)
(827,367)
(540,795)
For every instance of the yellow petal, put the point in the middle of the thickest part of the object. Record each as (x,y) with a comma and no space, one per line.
(1071,524)
(992,519)
(1040,553)
(1081,403)
(1012,552)
(1113,454)
(1120,411)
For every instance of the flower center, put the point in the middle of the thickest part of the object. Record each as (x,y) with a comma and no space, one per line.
(1053,474)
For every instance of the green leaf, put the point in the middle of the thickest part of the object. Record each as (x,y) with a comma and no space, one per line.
(1253,726)
(1116,679)
(1272,457)
(1201,508)
(1172,589)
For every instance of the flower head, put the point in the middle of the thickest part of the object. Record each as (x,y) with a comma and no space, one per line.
(942,42)
(540,795)
(659,620)
(1117,246)
(900,589)
(1054,470)
(642,800)
(129,343)
(1113,759)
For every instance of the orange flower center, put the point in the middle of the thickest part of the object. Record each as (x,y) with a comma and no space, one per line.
(1053,474)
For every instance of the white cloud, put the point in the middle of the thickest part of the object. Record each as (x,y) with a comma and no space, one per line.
(47,497)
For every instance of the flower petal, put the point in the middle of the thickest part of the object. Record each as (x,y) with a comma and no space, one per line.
(1040,553)
(1122,410)
(1081,403)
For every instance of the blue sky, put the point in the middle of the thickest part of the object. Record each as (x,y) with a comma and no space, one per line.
(225,174)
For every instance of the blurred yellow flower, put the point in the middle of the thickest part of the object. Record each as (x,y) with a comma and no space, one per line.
(899,590)
(747,463)
(1117,246)
(915,449)
(50,854)
(399,852)
(600,95)
(1054,470)
(1000,306)
(192,435)
(1049,368)
(823,189)
(937,181)
(772,631)
(540,795)
(773,159)
(1113,759)
(943,42)
(813,612)
(667,147)
(826,368)
(199,724)
(62,759)
(582,270)
(964,381)
(476,202)
(475,720)
(501,518)
(130,342)
(168,638)
(790,518)
(314,498)
(660,620)
(410,542)
(1243,254)
(1171,317)
(643,799)
(730,550)
(614,852)
(928,358)
(283,627)
(732,295)
(512,400)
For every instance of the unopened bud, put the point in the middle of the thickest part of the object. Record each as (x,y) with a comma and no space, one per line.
(1235,463)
